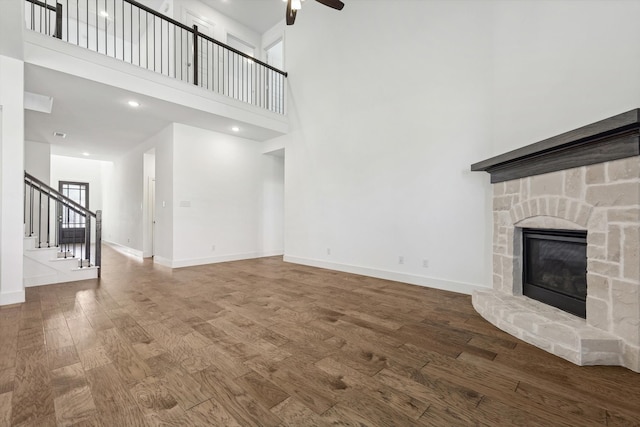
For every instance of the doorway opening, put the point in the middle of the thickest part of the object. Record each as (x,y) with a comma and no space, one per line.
(148,204)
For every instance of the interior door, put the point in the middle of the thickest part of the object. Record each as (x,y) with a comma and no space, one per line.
(72,225)
(242,70)
(274,84)
(204,67)
(152,207)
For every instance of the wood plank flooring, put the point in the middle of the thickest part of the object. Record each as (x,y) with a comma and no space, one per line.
(266,343)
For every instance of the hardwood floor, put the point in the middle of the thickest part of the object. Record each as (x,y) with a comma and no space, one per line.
(266,343)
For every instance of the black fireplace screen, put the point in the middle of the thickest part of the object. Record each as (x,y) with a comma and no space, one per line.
(555,268)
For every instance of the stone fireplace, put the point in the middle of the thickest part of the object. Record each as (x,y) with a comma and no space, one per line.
(587,180)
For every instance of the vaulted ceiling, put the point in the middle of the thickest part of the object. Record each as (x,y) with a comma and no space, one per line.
(258,15)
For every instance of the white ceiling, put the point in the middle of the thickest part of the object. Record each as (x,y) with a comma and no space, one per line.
(97,119)
(259,15)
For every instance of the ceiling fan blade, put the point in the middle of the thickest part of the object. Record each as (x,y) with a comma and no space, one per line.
(291,14)
(335,4)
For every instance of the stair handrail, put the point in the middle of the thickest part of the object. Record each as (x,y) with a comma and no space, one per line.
(71,204)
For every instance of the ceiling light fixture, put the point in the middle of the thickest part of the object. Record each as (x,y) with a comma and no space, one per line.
(133,104)
(60,134)
(85,154)
(104,13)
(235,129)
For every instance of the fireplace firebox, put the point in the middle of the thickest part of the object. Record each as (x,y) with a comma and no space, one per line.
(555,268)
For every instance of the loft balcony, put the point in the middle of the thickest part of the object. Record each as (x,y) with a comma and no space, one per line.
(138,35)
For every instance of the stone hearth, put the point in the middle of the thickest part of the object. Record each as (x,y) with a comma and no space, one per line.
(601,196)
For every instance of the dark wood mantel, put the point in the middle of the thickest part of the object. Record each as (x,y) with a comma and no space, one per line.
(614,138)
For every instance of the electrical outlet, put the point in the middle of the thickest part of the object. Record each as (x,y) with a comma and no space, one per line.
(425,263)
(328,251)
(400,259)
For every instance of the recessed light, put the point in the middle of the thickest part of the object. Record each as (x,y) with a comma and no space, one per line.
(133,104)
(104,13)
(60,134)
(235,129)
(86,154)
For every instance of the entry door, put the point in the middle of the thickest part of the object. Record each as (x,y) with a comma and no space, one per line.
(72,227)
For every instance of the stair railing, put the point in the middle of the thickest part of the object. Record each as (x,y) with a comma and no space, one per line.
(55,220)
(132,32)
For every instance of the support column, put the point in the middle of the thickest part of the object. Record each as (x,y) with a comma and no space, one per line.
(11,179)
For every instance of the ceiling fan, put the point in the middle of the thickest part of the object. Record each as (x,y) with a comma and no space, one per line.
(293,6)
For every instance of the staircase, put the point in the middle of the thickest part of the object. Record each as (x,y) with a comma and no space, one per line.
(58,243)
(45,266)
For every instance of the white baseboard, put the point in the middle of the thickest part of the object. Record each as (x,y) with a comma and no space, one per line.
(7,298)
(213,260)
(162,261)
(125,250)
(413,279)
(271,253)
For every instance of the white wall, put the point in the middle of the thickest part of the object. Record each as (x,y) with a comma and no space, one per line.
(11,25)
(224,197)
(272,204)
(271,37)
(212,189)
(560,65)
(388,113)
(76,169)
(163,245)
(222,24)
(37,160)
(124,219)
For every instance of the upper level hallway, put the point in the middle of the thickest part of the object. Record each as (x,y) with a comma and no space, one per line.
(86,60)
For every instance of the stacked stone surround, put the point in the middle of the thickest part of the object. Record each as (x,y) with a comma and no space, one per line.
(604,200)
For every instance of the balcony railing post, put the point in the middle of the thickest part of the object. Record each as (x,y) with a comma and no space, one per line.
(58,33)
(195,55)
(98,255)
